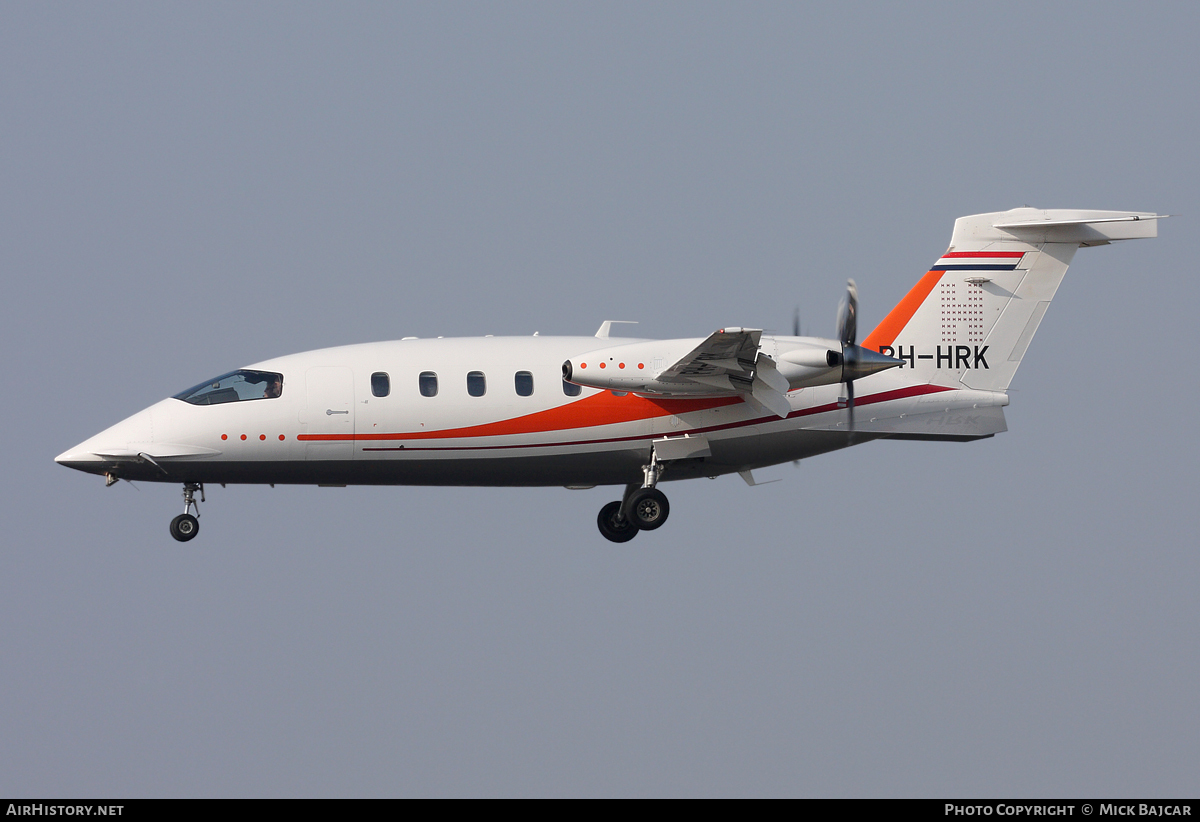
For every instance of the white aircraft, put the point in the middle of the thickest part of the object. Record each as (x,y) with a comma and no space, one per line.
(587,411)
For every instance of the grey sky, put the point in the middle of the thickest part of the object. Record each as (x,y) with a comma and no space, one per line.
(189,188)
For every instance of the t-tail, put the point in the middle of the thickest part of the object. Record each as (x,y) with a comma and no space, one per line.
(969,321)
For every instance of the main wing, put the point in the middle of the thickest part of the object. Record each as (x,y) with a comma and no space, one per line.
(725,363)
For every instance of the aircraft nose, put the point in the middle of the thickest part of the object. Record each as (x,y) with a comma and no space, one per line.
(82,459)
(76,457)
(96,454)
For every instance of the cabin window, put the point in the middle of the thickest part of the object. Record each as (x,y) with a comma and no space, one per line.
(235,386)
(524,382)
(428,384)
(571,389)
(476,383)
(381,385)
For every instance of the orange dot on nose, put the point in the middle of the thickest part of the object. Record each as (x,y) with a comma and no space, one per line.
(621,365)
(641,365)
(243,436)
(262,436)
(281,438)
(601,365)
(224,436)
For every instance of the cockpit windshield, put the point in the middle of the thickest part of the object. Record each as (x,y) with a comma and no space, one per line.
(235,387)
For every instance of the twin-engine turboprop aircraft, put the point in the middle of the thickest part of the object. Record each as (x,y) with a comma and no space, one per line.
(586,411)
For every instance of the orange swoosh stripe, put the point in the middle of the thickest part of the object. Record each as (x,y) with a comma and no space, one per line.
(598,409)
(897,394)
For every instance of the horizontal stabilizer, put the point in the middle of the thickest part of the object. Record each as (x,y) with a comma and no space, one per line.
(1058,225)
(1135,218)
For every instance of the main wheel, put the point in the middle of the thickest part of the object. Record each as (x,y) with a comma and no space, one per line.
(616,530)
(184,527)
(648,508)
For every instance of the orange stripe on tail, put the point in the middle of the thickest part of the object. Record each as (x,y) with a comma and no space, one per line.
(886,332)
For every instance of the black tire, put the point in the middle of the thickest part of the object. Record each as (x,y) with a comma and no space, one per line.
(613,529)
(648,508)
(184,527)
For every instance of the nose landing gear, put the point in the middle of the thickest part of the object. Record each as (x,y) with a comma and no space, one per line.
(643,508)
(186,526)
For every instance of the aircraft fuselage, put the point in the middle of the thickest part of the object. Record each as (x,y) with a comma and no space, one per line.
(329,424)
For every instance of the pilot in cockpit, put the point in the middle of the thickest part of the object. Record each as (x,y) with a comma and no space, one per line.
(274,388)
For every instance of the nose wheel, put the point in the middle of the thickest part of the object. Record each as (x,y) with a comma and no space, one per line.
(186,525)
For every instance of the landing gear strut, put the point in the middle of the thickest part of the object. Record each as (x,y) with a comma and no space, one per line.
(643,508)
(185,526)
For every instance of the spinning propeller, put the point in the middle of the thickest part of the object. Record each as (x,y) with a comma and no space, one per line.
(857,362)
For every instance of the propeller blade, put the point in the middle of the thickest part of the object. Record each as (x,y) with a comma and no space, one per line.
(848,315)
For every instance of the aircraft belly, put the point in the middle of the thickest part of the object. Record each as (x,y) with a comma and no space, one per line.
(594,464)
(761,449)
(599,468)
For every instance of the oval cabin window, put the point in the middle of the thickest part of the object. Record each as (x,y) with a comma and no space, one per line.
(428,383)
(381,384)
(476,384)
(524,381)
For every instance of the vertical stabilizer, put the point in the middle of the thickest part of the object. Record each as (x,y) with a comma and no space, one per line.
(970,319)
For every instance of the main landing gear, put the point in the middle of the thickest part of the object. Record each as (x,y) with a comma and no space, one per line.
(185,526)
(643,508)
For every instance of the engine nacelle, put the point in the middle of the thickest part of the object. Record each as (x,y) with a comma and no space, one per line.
(680,368)
(632,367)
(814,362)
